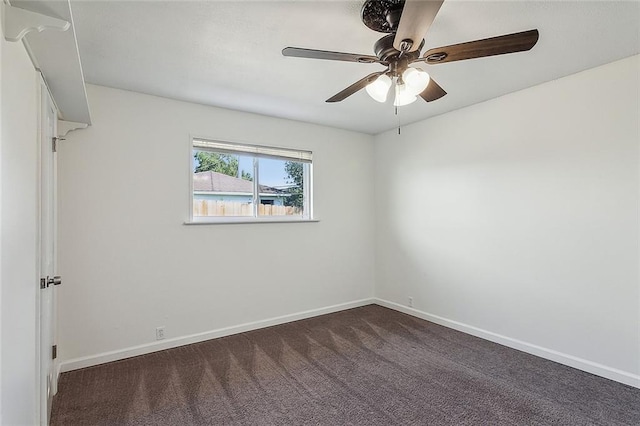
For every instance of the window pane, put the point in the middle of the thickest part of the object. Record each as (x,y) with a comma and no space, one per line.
(281,187)
(222,184)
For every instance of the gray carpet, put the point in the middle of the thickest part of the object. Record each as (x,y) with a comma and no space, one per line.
(364,366)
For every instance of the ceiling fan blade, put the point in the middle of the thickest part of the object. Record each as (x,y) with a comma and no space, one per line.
(358,85)
(510,43)
(432,92)
(416,18)
(298,52)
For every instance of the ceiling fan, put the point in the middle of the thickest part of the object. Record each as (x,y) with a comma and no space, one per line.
(407,22)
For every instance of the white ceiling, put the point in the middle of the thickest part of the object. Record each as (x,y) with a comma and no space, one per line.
(228,53)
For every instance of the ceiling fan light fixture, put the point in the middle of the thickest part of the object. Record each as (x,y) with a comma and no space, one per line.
(404,95)
(379,88)
(416,80)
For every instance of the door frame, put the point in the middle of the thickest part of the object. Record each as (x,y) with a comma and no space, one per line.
(47,129)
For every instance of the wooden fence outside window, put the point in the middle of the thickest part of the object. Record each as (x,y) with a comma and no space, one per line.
(210,208)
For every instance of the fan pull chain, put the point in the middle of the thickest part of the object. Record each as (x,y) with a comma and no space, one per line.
(398,119)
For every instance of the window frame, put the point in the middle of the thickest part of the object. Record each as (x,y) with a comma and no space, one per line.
(304,156)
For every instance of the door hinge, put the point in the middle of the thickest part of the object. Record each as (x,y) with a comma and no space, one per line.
(46,282)
(54,351)
(54,143)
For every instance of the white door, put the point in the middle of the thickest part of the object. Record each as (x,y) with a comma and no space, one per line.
(48,122)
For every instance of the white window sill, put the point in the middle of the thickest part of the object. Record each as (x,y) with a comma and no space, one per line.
(244,221)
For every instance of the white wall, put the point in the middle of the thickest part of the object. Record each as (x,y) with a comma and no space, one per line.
(18,279)
(519,217)
(130,265)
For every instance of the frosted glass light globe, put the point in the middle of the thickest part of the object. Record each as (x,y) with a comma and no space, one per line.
(416,80)
(379,88)
(404,96)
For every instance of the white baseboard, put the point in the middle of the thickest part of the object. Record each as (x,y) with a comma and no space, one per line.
(562,358)
(88,361)
(56,378)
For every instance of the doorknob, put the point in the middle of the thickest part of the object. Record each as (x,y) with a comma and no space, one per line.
(57,280)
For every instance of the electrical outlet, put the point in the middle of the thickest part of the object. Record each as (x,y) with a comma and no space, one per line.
(410,302)
(160,333)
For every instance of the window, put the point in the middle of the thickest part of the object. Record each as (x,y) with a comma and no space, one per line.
(237,182)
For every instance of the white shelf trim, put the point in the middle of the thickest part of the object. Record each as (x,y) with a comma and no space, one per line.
(16,22)
(64,127)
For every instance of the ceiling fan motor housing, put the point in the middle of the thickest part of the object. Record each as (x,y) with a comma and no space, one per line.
(385,51)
